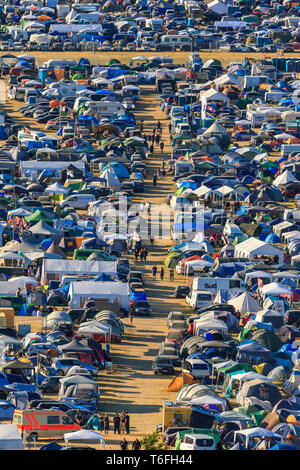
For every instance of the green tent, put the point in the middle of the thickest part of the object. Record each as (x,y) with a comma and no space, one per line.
(208,432)
(240,366)
(172,259)
(37,216)
(266,338)
(113,61)
(259,416)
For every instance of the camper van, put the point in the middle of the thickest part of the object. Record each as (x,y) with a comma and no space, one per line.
(106,109)
(67,89)
(43,423)
(213,285)
(175,40)
(199,299)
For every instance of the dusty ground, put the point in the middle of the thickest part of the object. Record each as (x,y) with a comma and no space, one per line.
(179,57)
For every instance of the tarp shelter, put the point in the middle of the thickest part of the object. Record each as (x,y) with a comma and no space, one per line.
(6,410)
(212,96)
(275,289)
(252,247)
(10,438)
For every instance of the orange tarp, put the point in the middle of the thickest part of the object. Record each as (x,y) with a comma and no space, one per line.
(178,382)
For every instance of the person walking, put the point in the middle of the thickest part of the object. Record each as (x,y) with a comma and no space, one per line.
(106,424)
(161,146)
(158,125)
(162,273)
(154,271)
(136,254)
(136,445)
(145,254)
(127,423)
(151,149)
(171,275)
(101,423)
(123,414)
(154,180)
(117,421)
(124,444)
(131,314)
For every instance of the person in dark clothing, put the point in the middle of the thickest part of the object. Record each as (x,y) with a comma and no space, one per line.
(154,271)
(158,124)
(145,254)
(127,423)
(157,139)
(171,274)
(136,445)
(131,314)
(136,254)
(161,146)
(162,273)
(106,424)
(117,421)
(124,444)
(151,149)
(154,180)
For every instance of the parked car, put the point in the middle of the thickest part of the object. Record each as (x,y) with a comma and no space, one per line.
(163,365)
(62,365)
(141,308)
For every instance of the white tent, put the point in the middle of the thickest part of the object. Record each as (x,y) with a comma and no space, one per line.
(284,178)
(245,303)
(117,292)
(248,434)
(84,436)
(10,438)
(252,246)
(94,327)
(111,179)
(212,96)
(56,188)
(209,400)
(77,267)
(196,265)
(275,289)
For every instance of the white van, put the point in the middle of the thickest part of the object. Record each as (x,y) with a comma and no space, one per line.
(196,367)
(77,201)
(197,442)
(199,299)
(106,109)
(175,40)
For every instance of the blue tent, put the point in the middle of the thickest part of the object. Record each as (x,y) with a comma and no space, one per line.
(119,168)
(272,238)
(47,243)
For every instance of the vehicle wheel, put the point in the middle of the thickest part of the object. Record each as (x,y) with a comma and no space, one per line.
(60,372)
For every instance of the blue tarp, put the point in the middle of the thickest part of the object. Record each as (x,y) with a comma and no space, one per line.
(7,410)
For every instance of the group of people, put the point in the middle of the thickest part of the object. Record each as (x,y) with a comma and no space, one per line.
(141,253)
(121,423)
(162,273)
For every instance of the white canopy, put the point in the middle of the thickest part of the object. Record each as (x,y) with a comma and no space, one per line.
(252,246)
(84,436)
(256,432)
(77,267)
(56,188)
(275,289)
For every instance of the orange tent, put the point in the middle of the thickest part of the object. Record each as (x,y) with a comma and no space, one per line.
(178,382)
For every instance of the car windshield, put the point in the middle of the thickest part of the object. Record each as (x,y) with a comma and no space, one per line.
(142,304)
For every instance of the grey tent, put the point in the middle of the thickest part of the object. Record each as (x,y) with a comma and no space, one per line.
(41,231)
(265,391)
